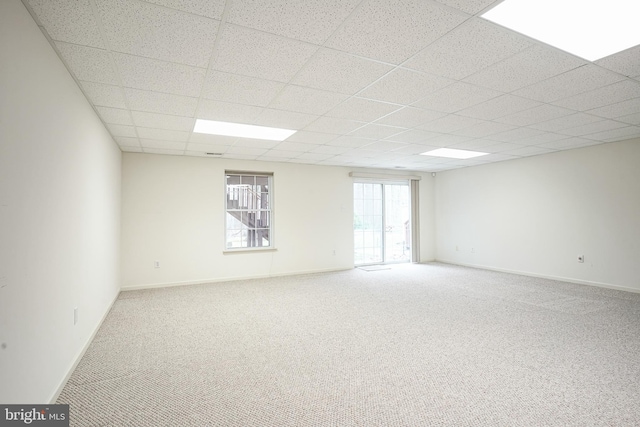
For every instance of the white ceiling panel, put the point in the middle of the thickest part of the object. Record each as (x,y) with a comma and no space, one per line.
(207,148)
(247,151)
(633,119)
(414,136)
(619,109)
(162,121)
(312,22)
(535,115)
(340,72)
(163,134)
(296,147)
(163,103)
(475,144)
(364,110)
(315,157)
(469,6)
(148,30)
(255,143)
(240,89)
(456,97)
(472,46)
(386,146)
(284,119)
(69,21)
(88,63)
(209,8)
(516,135)
(541,138)
(206,139)
(306,100)
(446,140)
(403,86)
(410,117)
(166,145)
(376,131)
(592,128)
(626,62)
(612,94)
(160,76)
(228,112)
(615,134)
(530,66)
(573,82)
(566,122)
(350,142)
(566,144)
(333,125)
(484,129)
(127,141)
(329,149)
(499,107)
(104,95)
(253,53)
(116,116)
(393,30)
(528,151)
(122,130)
(307,137)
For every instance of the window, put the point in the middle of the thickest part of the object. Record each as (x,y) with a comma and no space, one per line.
(248,207)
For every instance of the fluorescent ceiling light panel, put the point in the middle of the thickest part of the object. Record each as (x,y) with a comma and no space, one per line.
(453,153)
(242,131)
(590,29)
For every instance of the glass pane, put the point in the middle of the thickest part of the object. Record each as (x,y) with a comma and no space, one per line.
(263,183)
(264,201)
(248,180)
(233,179)
(398,223)
(358,191)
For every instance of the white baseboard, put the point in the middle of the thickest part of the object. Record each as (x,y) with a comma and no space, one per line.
(227,279)
(543,276)
(81,353)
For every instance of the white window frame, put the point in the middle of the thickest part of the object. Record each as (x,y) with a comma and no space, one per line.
(269,210)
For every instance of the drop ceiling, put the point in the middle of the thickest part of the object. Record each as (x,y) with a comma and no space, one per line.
(367,83)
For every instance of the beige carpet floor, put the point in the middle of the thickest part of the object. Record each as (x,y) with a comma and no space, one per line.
(416,345)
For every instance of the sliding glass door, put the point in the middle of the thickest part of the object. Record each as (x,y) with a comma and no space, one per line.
(382,222)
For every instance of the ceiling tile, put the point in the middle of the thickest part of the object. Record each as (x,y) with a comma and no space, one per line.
(535,115)
(360,109)
(449,123)
(227,112)
(209,8)
(162,121)
(333,125)
(456,97)
(240,89)
(329,149)
(386,146)
(255,143)
(541,138)
(207,148)
(626,62)
(115,116)
(617,110)
(104,95)
(316,157)
(163,103)
(167,145)
(472,46)
(499,107)
(483,129)
(592,128)
(307,137)
(306,100)
(469,6)
(409,117)
(633,119)
(612,94)
(516,135)
(619,134)
(253,53)
(122,130)
(162,134)
(240,156)
(152,31)
(528,151)
(501,147)
(414,136)
(340,72)
(295,147)
(69,21)
(284,119)
(88,63)
(475,144)
(376,131)
(446,140)
(573,82)
(565,144)
(207,139)
(350,142)
(532,65)
(414,149)
(403,86)
(312,22)
(393,30)
(554,125)
(160,76)
(127,141)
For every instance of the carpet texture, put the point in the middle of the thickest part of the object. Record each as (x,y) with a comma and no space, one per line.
(416,345)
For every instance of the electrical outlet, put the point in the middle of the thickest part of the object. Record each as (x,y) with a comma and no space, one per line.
(156,264)
(580,258)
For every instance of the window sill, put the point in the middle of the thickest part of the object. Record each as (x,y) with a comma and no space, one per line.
(247,250)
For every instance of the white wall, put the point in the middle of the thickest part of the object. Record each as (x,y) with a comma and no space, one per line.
(59,214)
(173,212)
(536,215)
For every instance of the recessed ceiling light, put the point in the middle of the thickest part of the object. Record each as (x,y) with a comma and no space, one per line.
(242,131)
(590,29)
(453,153)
